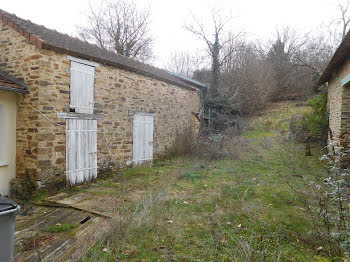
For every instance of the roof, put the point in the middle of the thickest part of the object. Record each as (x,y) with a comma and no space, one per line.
(9,83)
(46,38)
(340,55)
(187,79)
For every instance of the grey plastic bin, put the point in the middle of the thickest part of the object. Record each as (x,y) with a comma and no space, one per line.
(8,212)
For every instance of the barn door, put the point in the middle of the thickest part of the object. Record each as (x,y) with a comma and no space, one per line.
(81,150)
(143,139)
(82,88)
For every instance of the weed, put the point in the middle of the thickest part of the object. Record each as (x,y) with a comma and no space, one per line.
(60,228)
(191,176)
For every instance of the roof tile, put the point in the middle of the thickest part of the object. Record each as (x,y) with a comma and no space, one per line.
(342,53)
(10,83)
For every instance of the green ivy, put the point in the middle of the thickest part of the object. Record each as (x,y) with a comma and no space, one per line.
(317,120)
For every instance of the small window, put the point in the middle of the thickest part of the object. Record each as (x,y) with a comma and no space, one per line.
(3,142)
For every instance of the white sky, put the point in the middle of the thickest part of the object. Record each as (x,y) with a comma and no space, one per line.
(258,18)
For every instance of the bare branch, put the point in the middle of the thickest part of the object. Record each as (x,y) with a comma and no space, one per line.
(121,27)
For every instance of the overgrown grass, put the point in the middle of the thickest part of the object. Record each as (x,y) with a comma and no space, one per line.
(234,209)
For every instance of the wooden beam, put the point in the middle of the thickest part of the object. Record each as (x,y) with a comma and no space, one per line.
(79,116)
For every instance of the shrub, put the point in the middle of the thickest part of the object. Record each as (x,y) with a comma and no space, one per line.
(183,144)
(330,204)
(317,120)
(209,146)
(25,189)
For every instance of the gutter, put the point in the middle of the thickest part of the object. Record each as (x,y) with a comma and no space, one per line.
(12,89)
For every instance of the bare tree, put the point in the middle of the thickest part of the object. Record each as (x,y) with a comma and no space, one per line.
(184,63)
(314,54)
(215,42)
(119,26)
(345,18)
(246,79)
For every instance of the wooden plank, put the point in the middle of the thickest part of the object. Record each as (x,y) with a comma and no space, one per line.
(141,113)
(63,247)
(82,61)
(79,116)
(74,206)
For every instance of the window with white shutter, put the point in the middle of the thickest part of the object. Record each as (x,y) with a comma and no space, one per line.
(82,78)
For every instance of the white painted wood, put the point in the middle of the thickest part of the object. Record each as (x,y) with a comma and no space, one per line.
(82,61)
(82,79)
(143,138)
(81,150)
(4,162)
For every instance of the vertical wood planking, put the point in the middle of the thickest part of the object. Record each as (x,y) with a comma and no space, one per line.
(82,87)
(81,150)
(81,137)
(143,139)
(94,148)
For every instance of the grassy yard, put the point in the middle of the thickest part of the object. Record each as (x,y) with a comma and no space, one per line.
(239,208)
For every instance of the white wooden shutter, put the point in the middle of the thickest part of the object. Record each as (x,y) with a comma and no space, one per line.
(81,150)
(143,139)
(82,87)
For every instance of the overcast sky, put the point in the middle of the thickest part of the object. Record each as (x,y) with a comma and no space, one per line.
(258,18)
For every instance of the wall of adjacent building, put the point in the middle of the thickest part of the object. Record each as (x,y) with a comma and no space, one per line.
(339,106)
(8,111)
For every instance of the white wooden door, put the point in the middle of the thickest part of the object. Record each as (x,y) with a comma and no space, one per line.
(82,87)
(81,150)
(143,139)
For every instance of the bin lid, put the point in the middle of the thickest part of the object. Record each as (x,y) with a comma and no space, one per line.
(6,204)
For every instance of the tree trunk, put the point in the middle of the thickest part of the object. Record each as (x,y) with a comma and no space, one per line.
(215,69)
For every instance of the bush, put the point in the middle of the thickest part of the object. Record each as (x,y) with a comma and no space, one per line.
(184,144)
(333,198)
(317,121)
(326,203)
(210,146)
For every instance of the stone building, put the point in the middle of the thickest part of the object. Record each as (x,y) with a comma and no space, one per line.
(87,109)
(337,76)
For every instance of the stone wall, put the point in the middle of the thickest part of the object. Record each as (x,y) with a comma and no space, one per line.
(339,106)
(118,93)
(20,59)
(335,92)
